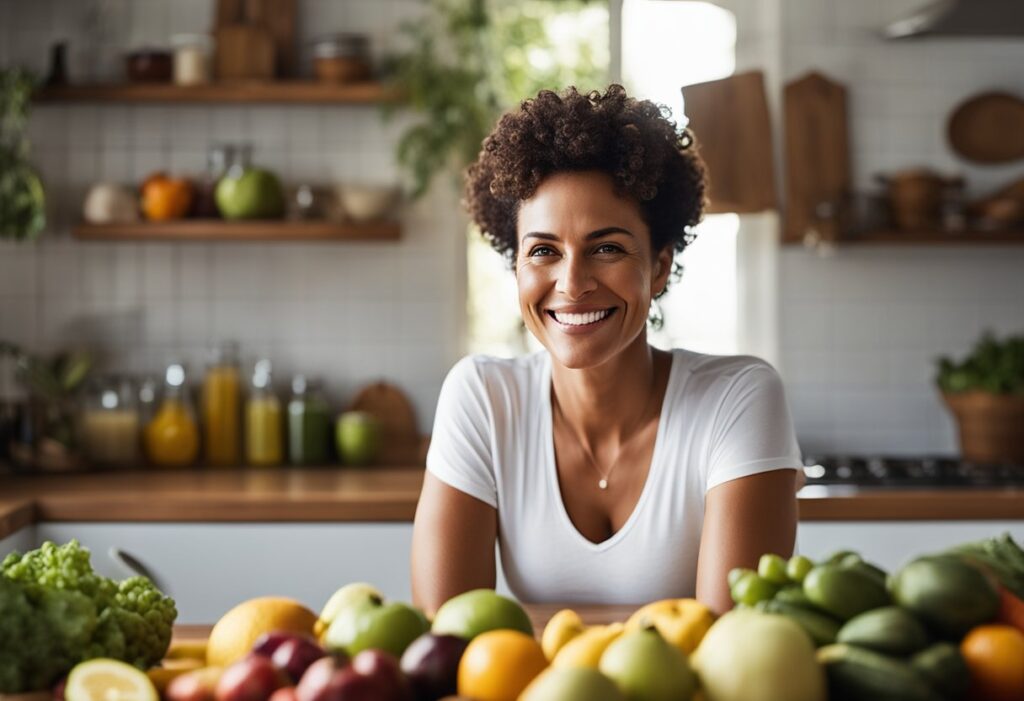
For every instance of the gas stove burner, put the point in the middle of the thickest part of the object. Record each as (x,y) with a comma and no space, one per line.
(926,472)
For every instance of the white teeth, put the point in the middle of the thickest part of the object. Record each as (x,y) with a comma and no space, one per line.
(581,319)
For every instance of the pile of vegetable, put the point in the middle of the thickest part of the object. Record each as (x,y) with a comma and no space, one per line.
(993,366)
(56,611)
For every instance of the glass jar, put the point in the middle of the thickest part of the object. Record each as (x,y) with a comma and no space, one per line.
(172,437)
(341,58)
(263,423)
(191,58)
(110,423)
(222,407)
(309,421)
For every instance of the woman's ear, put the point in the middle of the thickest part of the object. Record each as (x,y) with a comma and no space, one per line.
(662,269)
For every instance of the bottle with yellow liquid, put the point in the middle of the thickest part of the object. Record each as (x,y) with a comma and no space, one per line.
(222,408)
(171,438)
(264,444)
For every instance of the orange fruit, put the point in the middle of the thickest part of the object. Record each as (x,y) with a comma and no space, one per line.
(233,635)
(995,657)
(499,664)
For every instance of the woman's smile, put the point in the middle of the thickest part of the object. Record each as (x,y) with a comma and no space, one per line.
(582,321)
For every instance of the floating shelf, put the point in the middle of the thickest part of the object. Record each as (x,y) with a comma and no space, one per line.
(234,92)
(218,230)
(895,237)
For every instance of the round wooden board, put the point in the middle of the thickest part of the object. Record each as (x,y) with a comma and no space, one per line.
(988,128)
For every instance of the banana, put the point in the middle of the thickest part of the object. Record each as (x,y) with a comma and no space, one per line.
(563,627)
(585,649)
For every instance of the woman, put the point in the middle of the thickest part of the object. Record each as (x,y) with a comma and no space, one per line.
(607,471)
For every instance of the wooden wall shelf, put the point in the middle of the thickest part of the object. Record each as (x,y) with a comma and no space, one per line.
(218,230)
(241,92)
(894,237)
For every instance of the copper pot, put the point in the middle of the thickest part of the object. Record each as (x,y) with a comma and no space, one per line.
(916,197)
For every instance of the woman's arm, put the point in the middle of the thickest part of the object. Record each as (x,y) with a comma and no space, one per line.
(453,541)
(743,519)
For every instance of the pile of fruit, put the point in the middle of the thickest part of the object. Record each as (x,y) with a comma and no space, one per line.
(946,626)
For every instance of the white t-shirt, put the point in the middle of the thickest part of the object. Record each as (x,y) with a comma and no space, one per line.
(723,417)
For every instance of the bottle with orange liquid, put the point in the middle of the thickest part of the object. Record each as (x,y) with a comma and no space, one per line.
(171,438)
(222,408)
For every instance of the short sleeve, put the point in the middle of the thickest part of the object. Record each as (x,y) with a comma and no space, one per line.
(460,445)
(752,430)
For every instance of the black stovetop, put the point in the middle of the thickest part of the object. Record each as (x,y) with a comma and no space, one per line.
(910,472)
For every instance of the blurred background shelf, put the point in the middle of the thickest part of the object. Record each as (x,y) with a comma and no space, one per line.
(964,238)
(218,230)
(234,92)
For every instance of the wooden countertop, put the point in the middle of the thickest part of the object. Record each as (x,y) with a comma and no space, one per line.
(382,495)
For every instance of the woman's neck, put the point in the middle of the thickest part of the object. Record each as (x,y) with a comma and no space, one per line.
(605,402)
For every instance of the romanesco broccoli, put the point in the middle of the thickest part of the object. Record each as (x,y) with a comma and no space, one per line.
(56,611)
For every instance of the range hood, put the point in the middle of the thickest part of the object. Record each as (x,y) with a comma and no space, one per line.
(961,18)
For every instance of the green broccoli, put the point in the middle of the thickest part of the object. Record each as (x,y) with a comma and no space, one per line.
(56,611)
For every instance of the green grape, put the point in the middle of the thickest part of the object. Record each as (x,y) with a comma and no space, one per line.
(773,568)
(752,588)
(735,574)
(798,567)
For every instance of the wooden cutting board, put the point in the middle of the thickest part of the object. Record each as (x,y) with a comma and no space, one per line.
(817,153)
(730,120)
(988,128)
(244,46)
(402,442)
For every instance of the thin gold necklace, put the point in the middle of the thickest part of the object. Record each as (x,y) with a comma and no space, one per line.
(603,482)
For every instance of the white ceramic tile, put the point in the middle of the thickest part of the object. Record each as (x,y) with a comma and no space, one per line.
(150,126)
(196,272)
(157,262)
(116,166)
(193,319)
(190,126)
(18,320)
(116,127)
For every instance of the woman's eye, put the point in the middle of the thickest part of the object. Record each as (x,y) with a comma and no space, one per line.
(608,248)
(541,251)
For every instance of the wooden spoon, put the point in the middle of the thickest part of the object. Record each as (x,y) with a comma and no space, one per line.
(988,128)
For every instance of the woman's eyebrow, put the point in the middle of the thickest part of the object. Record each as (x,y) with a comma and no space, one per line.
(607,231)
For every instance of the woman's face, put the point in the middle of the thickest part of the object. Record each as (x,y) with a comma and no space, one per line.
(585,269)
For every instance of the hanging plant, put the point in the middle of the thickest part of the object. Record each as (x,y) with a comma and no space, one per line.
(22,201)
(470,60)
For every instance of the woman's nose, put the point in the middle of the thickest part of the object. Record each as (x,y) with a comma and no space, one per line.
(575,278)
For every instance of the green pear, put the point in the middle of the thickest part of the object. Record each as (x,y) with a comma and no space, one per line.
(646,667)
(571,684)
(478,611)
(374,624)
(347,596)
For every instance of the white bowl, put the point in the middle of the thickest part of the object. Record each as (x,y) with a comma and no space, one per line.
(364,203)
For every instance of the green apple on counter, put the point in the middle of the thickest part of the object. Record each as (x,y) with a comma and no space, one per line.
(252,193)
(478,611)
(375,624)
(348,596)
(358,437)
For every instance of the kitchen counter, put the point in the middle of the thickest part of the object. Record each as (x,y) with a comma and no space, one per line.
(383,495)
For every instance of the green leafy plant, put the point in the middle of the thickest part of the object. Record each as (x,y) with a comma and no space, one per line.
(993,366)
(22,201)
(469,60)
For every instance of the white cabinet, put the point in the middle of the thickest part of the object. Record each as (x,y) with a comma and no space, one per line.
(210,567)
(891,544)
(21,540)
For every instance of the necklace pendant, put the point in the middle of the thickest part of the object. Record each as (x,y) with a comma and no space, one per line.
(603,484)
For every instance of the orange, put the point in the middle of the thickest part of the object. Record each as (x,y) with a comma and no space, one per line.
(499,664)
(234,634)
(995,656)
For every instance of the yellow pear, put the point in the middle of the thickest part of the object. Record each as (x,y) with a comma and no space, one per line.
(585,649)
(563,627)
(682,622)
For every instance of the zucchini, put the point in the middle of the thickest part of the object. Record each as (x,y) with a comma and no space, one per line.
(948,594)
(859,674)
(891,630)
(820,627)
(944,668)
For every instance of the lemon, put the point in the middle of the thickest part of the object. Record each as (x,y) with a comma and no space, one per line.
(103,679)
(233,635)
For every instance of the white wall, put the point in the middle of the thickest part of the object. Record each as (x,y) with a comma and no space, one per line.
(859,331)
(350,313)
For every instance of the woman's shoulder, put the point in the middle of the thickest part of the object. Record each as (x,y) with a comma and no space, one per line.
(487,370)
(720,373)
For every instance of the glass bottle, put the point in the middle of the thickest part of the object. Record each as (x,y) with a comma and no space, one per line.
(222,408)
(205,203)
(263,423)
(110,423)
(309,420)
(172,437)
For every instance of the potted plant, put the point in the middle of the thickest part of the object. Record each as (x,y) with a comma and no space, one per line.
(985,392)
(22,202)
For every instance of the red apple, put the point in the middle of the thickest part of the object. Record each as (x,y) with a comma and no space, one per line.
(294,656)
(383,668)
(197,685)
(317,684)
(285,693)
(267,643)
(253,678)
(431,663)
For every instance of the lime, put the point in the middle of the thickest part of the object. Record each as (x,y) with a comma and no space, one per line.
(104,679)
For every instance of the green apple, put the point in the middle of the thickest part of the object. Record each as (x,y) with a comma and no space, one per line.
(646,667)
(252,194)
(571,684)
(357,435)
(350,595)
(375,624)
(478,611)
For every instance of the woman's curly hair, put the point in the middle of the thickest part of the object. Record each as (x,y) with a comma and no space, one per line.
(631,140)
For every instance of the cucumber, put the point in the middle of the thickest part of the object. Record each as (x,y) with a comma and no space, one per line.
(794,594)
(944,668)
(820,627)
(844,592)
(859,674)
(949,595)
(891,630)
